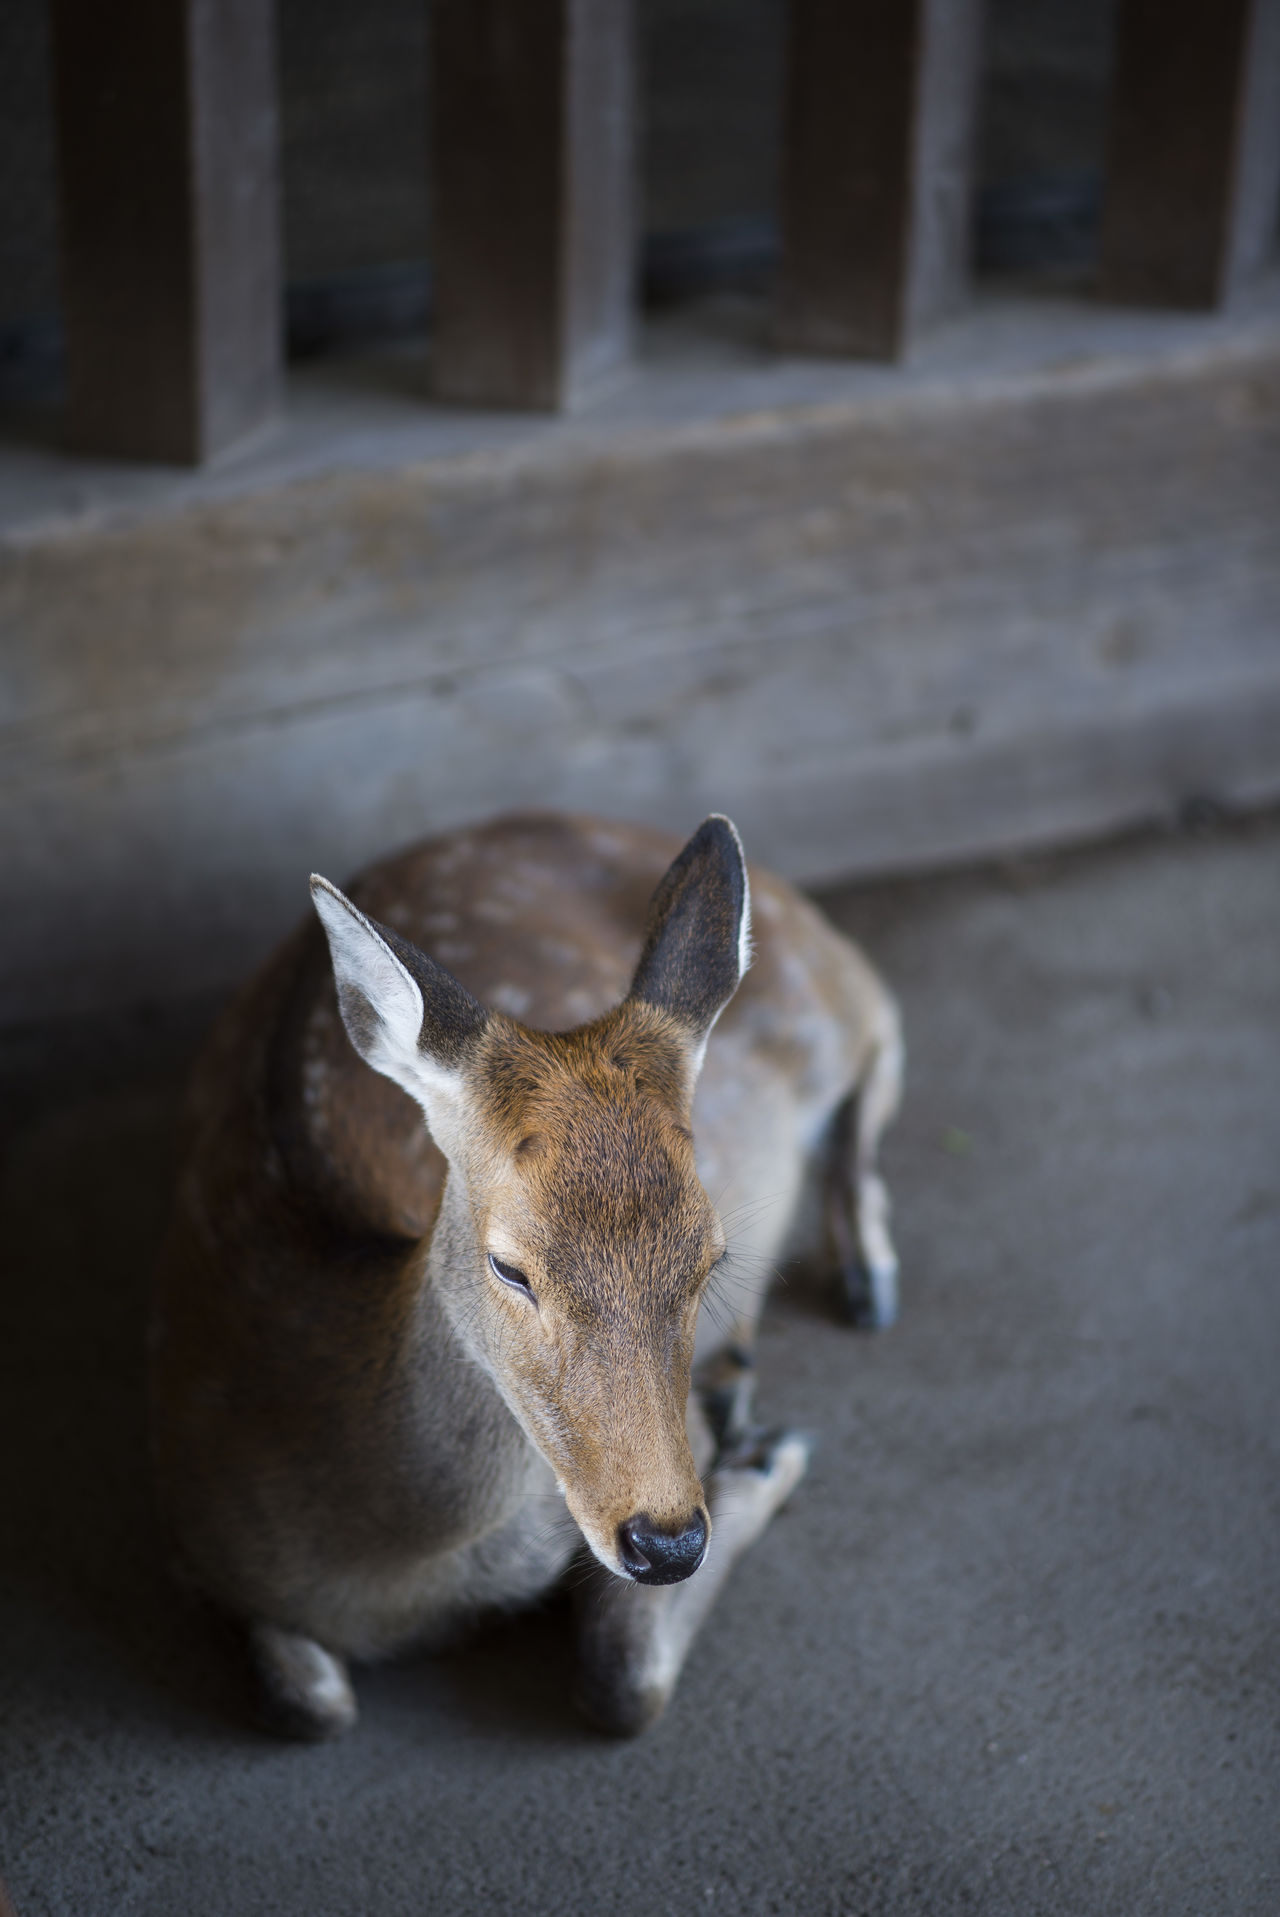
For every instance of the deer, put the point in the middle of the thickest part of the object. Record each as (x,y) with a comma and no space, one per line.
(447,1310)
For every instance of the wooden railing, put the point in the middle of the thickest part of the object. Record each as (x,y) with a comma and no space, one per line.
(167,143)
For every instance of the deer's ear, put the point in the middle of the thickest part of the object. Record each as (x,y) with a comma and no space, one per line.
(697,942)
(405,1015)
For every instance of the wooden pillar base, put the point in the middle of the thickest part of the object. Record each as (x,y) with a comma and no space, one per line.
(1193,175)
(533,181)
(877,172)
(170,249)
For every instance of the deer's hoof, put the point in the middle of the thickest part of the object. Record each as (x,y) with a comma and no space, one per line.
(780,1457)
(867,1294)
(304,1690)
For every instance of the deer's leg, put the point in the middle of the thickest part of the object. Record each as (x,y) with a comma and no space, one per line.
(306,1691)
(725,1386)
(857,1201)
(759,1228)
(633,1638)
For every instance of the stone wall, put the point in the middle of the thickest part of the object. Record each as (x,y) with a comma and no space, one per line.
(1025,590)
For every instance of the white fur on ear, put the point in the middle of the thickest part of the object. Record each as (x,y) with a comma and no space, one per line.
(380,1002)
(745,949)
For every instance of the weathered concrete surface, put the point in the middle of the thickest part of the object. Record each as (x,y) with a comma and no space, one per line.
(1024,590)
(1012,1649)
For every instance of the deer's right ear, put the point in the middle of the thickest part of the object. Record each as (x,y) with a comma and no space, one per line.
(405,1015)
(697,942)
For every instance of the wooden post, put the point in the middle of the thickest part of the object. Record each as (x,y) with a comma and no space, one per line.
(1193,173)
(169,223)
(533,187)
(877,171)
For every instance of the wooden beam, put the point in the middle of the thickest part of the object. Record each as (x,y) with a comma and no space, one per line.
(166,122)
(533,184)
(877,171)
(1193,173)
(879,623)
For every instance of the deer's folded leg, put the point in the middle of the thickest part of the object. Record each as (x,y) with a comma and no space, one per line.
(856,1200)
(633,1638)
(725,1385)
(305,1689)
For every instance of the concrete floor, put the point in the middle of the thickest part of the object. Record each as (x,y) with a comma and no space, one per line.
(1013,1648)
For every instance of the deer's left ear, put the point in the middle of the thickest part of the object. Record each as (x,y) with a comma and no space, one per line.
(697,942)
(406,1016)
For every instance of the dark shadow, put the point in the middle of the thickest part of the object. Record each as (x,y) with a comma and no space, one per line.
(511,1680)
(82,1209)
(399,370)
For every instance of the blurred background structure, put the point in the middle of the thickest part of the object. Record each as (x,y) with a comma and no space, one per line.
(861,417)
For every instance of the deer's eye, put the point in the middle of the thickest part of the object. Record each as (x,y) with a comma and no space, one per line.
(510,1276)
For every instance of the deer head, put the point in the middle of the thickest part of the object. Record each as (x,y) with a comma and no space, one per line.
(576,1239)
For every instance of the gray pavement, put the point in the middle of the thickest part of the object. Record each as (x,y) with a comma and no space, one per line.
(1013,1648)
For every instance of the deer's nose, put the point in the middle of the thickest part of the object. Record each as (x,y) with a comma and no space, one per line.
(653,1556)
